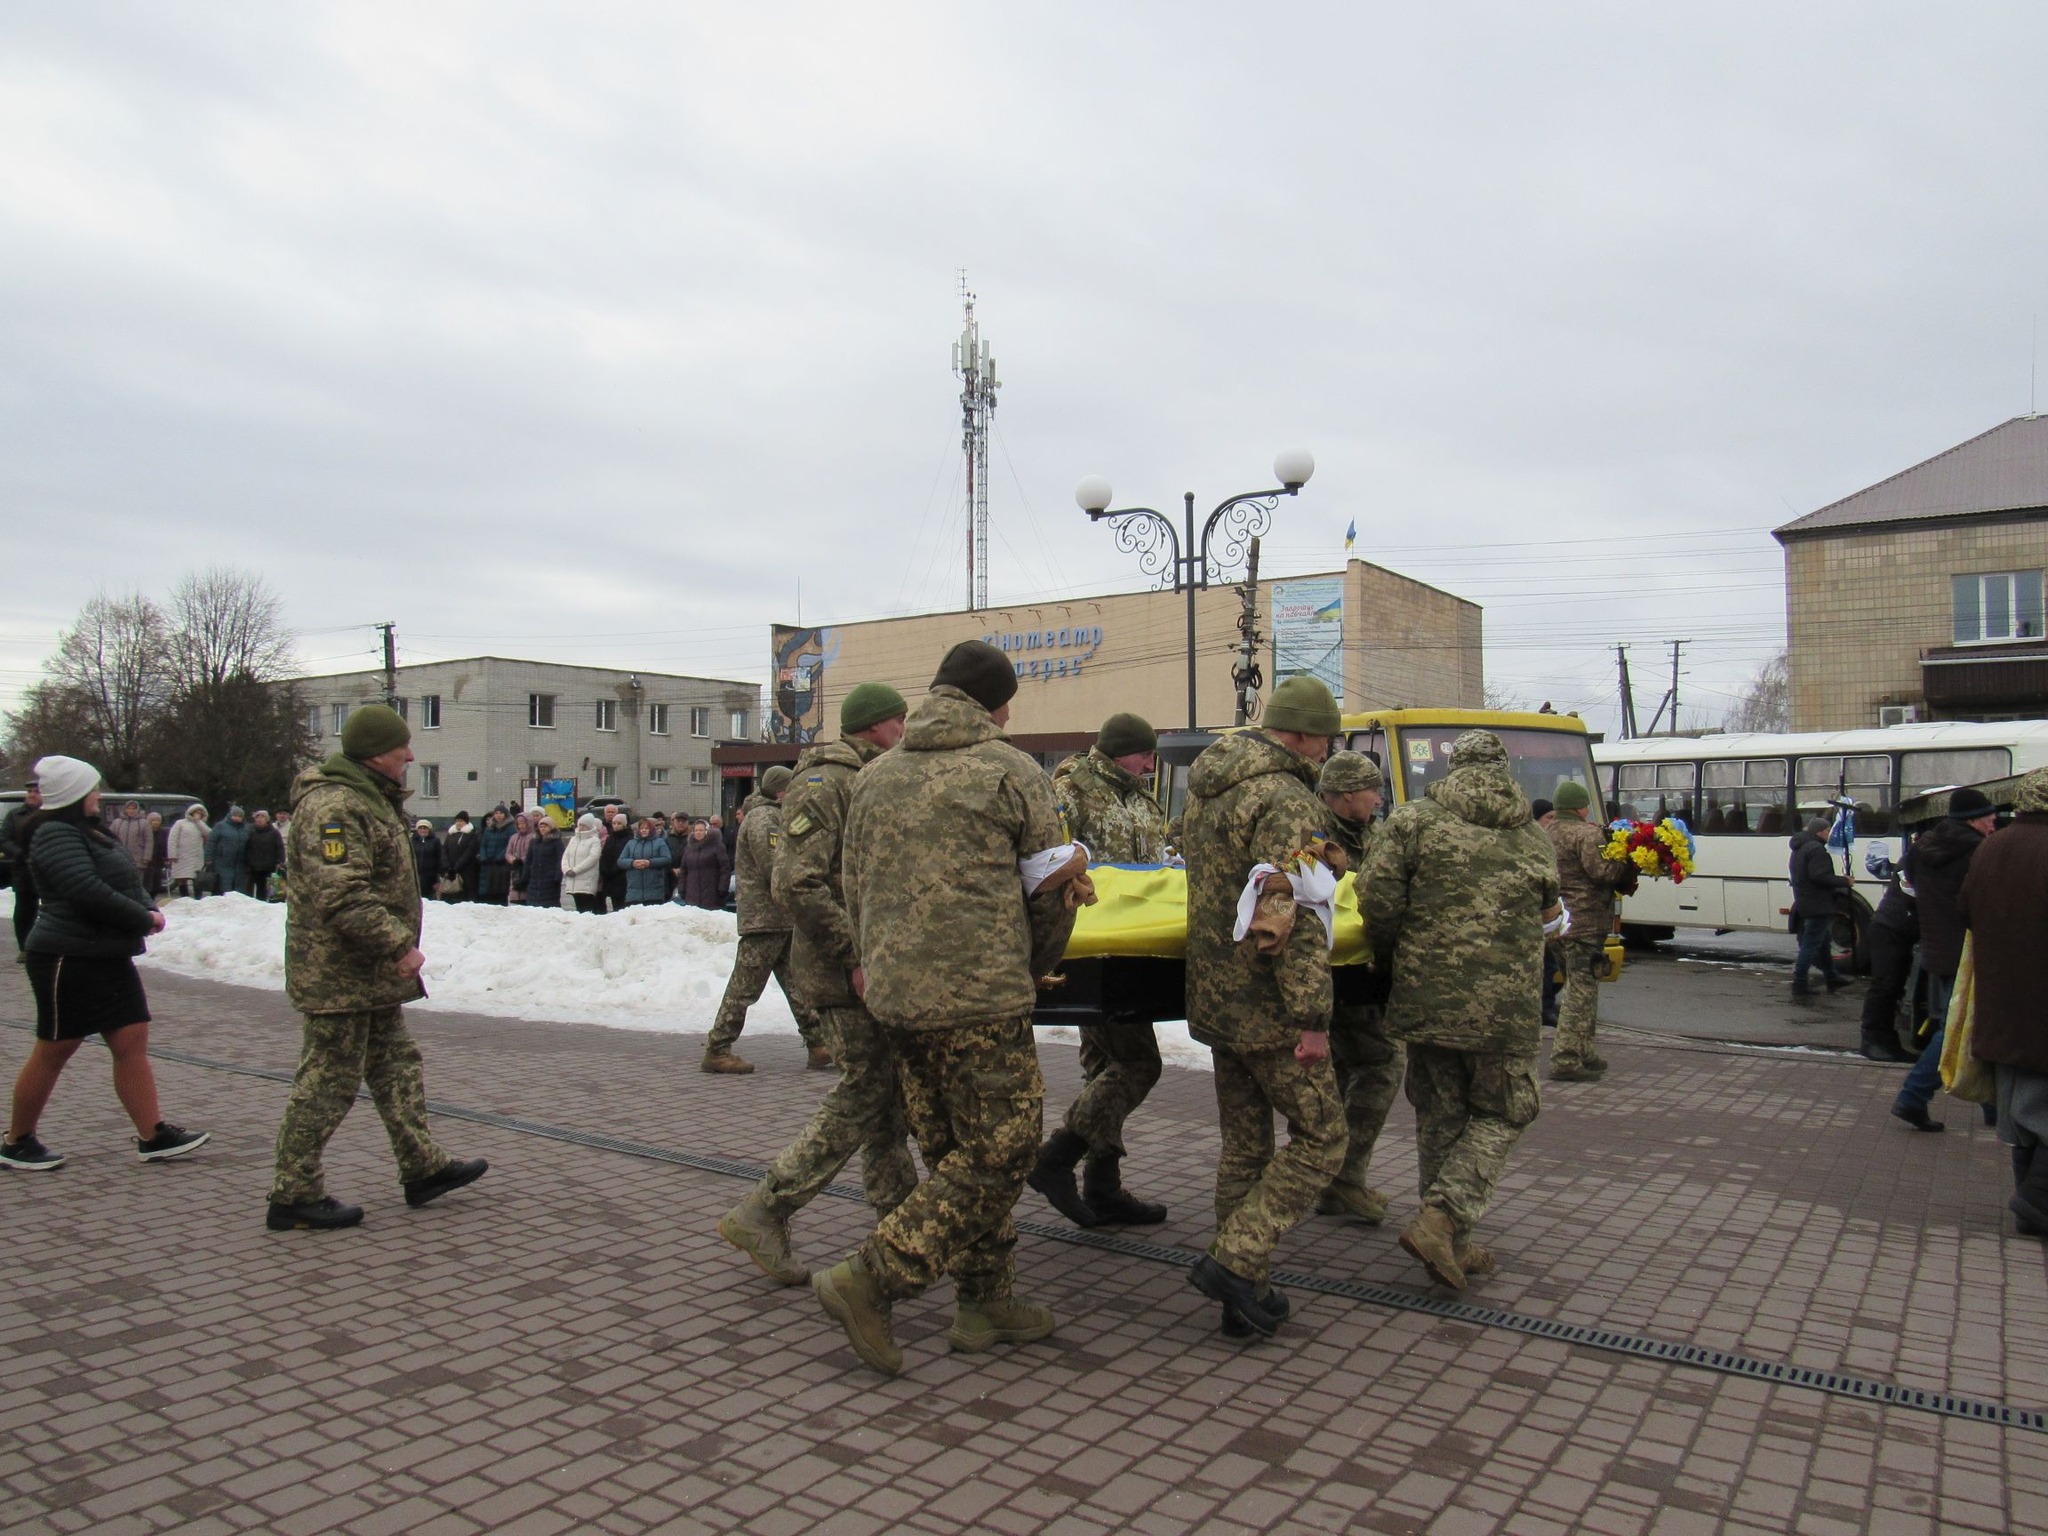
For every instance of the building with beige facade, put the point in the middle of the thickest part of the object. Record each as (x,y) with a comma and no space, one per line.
(1920,598)
(486,729)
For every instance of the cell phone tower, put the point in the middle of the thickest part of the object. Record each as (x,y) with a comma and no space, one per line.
(976,368)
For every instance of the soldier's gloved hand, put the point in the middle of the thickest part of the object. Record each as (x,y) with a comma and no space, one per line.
(1314,1046)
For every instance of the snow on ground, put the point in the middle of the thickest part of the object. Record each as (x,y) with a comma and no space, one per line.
(657,968)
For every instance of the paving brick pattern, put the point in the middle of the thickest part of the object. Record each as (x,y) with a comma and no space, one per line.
(569,1347)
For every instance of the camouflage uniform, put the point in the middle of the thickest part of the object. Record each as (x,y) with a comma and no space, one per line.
(1587,878)
(952,949)
(764,933)
(1115,814)
(352,911)
(1456,888)
(1252,800)
(864,1109)
(1369,1062)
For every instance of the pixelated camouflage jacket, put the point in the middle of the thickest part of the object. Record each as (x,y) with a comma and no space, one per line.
(352,905)
(946,934)
(1456,886)
(1354,837)
(1110,810)
(754,866)
(806,878)
(1251,800)
(1586,876)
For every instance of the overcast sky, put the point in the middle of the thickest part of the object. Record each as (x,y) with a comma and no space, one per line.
(589,332)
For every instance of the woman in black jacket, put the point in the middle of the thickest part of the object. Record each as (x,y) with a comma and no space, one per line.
(426,858)
(458,856)
(93,918)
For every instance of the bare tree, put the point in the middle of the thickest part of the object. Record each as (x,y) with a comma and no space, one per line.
(109,681)
(228,627)
(1766,701)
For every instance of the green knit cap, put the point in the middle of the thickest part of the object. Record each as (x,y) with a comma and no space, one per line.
(372,730)
(1570,795)
(1303,704)
(775,781)
(1121,735)
(869,705)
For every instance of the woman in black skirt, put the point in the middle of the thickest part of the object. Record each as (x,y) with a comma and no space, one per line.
(81,963)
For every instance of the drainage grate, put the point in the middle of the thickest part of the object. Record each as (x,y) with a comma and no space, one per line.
(1640,1346)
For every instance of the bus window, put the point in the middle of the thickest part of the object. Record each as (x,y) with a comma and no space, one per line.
(1540,760)
(1743,797)
(1652,791)
(1865,780)
(1922,771)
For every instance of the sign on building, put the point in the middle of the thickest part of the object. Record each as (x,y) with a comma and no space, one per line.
(1308,631)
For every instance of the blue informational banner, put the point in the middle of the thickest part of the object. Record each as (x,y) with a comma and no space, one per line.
(1308,631)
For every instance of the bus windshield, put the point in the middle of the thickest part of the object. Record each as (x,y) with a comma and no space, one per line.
(1541,759)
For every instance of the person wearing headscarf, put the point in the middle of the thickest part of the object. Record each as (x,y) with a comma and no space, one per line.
(581,876)
(426,856)
(544,864)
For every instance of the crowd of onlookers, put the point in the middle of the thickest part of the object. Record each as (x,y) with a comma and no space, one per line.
(604,864)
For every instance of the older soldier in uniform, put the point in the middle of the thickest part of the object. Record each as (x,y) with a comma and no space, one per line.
(1589,880)
(1262,1004)
(1368,1063)
(1459,889)
(764,936)
(864,1109)
(351,961)
(956,922)
(1108,804)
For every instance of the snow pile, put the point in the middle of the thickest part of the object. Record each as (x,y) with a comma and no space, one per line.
(658,968)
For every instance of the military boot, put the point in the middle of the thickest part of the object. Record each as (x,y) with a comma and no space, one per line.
(1354,1200)
(1102,1189)
(1595,1062)
(1477,1262)
(1574,1072)
(979,1325)
(818,1059)
(1053,1177)
(763,1237)
(726,1062)
(1432,1239)
(852,1298)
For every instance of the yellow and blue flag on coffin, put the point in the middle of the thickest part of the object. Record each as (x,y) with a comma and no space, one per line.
(1142,910)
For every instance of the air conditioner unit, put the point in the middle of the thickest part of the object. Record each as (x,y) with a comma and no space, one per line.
(1898,714)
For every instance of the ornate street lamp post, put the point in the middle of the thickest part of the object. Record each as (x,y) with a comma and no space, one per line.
(1160,546)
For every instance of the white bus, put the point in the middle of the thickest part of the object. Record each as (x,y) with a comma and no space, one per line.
(1744,795)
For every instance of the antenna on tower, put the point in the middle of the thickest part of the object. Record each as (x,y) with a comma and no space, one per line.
(976,367)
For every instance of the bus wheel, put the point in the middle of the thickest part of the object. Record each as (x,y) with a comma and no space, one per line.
(1644,935)
(1849,936)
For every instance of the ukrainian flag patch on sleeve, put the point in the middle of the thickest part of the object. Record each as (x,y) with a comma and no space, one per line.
(333,843)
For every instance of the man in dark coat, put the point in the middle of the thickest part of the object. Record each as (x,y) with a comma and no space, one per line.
(1815,882)
(2004,900)
(262,856)
(706,868)
(458,856)
(1893,933)
(608,861)
(1935,866)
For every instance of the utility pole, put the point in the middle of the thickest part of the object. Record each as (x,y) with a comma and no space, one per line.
(1670,699)
(390,664)
(1246,674)
(978,385)
(1628,696)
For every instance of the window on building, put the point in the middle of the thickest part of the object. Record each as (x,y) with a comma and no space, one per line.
(1922,771)
(1746,796)
(739,725)
(657,719)
(404,713)
(430,780)
(338,715)
(657,775)
(540,711)
(1865,780)
(1652,791)
(430,711)
(606,778)
(700,777)
(471,775)
(316,718)
(700,722)
(607,714)
(1997,605)
(535,772)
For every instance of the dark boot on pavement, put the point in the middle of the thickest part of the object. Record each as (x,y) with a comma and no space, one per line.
(1102,1190)
(852,1298)
(419,1192)
(1883,1045)
(1240,1298)
(1434,1240)
(979,1325)
(763,1237)
(1053,1177)
(320,1215)
(1915,1115)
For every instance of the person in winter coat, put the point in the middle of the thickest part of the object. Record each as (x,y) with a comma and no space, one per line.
(1460,891)
(515,854)
(264,854)
(2004,900)
(581,877)
(159,855)
(458,855)
(613,877)
(1589,880)
(426,857)
(493,859)
(1815,884)
(16,854)
(764,932)
(1936,866)
(1894,931)
(705,869)
(644,862)
(187,848)
(93,919)
(228,853)
(131,830)
(544,864)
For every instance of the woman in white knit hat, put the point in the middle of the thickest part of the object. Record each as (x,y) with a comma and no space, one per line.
(81,963)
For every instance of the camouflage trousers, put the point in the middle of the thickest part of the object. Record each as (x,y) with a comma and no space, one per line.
(1369,1064)
(1470,1110)
(974,1096)
(1262,1193)
(760,955)
(341,1052)
(1578,1009)
(861,1112)
(1119,1065)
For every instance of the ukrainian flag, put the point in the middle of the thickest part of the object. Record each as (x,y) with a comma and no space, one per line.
(1351,536)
